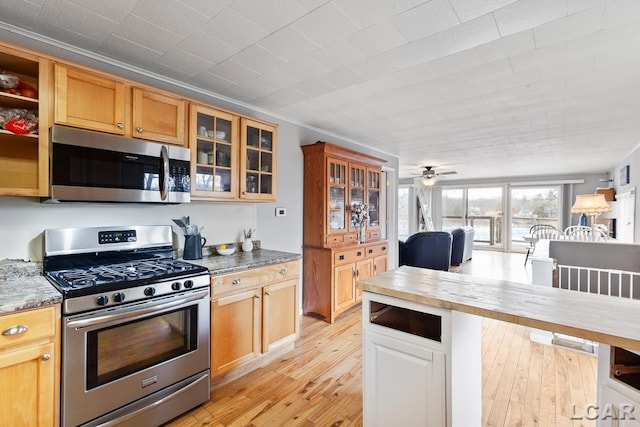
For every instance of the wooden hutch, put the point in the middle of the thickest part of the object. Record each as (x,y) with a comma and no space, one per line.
(337,250)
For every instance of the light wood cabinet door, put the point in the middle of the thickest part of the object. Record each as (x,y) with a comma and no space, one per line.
(87,100)
(235,330)
(344,287)
(364,269)
(27,384)
(380,264)
(215,148)
(159,117)
(258,167)
(279,312)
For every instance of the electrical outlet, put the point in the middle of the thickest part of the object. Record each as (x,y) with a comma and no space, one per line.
(281,211)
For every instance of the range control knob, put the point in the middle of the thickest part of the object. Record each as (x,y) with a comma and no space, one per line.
(150,291)
(118,296)
(102,300)
(176,286)
(188,284)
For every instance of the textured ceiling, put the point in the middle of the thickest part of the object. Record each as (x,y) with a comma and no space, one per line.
(487,88)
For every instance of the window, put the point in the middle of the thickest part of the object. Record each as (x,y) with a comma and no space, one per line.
(405,200)
(453,208)
(531,206)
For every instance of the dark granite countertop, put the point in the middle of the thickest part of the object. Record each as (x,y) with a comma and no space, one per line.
(23,287)
(221,264)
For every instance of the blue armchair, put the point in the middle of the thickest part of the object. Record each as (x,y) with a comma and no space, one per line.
(427,249)
(462,245)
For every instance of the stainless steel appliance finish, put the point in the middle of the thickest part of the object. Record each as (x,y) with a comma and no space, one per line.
(135,327)
(93,166)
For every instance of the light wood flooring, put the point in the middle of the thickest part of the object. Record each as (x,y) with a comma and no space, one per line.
(319,383)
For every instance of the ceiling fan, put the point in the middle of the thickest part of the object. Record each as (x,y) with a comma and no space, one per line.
(429,174)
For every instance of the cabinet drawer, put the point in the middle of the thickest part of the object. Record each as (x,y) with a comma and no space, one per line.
(373,234)
(234,282)
(350,238)
(350,256)
(333,239)
(40,323)
(377,250)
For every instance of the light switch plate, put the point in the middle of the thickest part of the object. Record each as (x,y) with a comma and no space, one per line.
(281,211)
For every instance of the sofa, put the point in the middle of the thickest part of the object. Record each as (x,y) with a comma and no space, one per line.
(462,245)
(427,249)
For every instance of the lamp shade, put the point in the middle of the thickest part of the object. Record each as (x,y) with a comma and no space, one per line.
(590,204)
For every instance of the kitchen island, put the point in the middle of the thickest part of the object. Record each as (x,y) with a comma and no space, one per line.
(451,305)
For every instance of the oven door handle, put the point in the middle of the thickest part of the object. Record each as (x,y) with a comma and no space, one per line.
(153,405)
(135,313)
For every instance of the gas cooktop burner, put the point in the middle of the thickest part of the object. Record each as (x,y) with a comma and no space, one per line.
(123,273)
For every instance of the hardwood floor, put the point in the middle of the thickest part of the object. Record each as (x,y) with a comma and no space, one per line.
(320,382)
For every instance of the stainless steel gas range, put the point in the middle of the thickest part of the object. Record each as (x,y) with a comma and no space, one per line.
(135,326)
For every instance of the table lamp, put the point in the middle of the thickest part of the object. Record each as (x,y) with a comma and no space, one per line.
(591,205)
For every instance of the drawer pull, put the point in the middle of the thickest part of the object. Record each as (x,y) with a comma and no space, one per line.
(236,282)
(15,330)
(283,271)
(341,257)
(46,357)
(359,253)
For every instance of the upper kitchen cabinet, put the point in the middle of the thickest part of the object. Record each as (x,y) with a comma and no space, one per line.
(159,116)
(336,181)
(215,148)
(24,121)
(90,101)
(103,103)
(257,160)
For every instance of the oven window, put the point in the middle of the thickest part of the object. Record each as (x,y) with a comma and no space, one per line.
(130,347)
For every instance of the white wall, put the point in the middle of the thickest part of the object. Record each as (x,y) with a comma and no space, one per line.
(633,160)
(23,219)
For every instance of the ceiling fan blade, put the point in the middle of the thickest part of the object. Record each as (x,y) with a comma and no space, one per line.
(447,173)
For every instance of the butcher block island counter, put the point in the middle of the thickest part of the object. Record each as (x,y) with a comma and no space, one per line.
(422,340)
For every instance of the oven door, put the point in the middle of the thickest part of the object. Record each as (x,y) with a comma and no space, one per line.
(113,357)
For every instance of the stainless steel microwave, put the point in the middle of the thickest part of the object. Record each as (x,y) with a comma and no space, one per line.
(98,167)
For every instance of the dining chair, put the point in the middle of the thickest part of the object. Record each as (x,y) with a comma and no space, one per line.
(583,233)
(541,231)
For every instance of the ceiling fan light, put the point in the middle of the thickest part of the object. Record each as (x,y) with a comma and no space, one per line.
(428,181)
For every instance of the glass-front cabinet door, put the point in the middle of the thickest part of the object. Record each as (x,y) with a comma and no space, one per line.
(357,194)
(337,197)
(214,153)
(373,197)
(257,160)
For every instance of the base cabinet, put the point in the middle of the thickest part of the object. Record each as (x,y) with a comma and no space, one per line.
(618,396)
(421,364)
(331,295)
(252,313)
(403,382)
(29,366)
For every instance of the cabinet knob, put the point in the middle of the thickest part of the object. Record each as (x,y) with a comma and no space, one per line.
(15,330)
(359,253)
(283,271)
(46,357)
(341,257)
(256,296)
(370,251)
(236,281)
(120,125)
(384,248)
(267,293)
(139,129)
